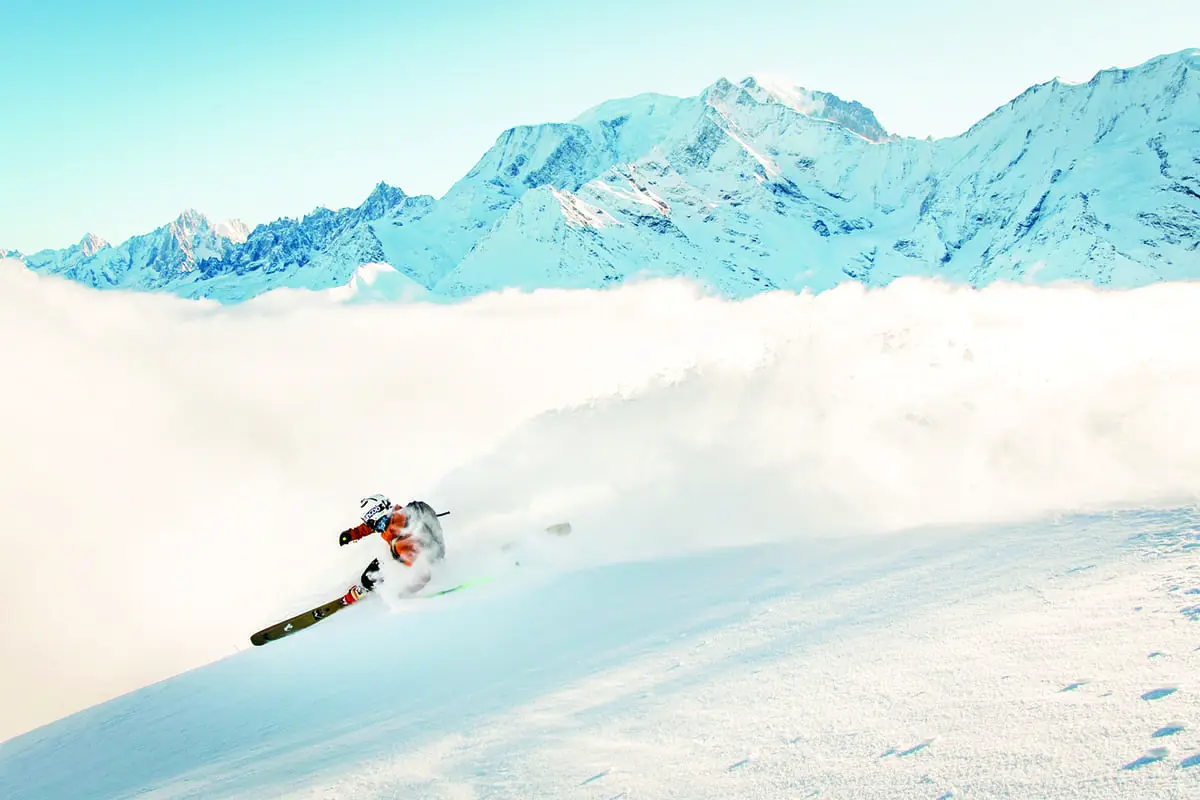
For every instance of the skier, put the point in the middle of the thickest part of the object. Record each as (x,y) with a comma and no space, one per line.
(414,536)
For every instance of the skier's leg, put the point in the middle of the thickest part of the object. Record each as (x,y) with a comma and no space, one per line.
(367,581)
(371,575)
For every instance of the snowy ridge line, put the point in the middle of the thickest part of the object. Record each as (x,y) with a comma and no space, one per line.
(766,188)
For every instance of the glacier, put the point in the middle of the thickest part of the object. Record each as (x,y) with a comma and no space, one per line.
(747,187)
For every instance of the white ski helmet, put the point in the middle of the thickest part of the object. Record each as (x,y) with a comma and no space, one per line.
(376,510)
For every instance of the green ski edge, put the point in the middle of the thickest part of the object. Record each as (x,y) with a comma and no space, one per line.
(463,585)
(311,617)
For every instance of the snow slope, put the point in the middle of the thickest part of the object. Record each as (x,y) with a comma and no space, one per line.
(1045,660)
(916,541)
(749,187)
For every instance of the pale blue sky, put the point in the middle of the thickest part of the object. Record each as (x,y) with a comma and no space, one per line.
(118,115)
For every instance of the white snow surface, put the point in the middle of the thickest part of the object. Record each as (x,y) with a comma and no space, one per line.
(918,541)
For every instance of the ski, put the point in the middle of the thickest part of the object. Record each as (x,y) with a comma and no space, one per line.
(311,617)
(297,623)
(463,585)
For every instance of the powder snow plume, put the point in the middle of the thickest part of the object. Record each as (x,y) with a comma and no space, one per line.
(176,473)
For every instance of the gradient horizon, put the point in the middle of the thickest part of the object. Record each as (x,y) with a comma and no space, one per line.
(120,117)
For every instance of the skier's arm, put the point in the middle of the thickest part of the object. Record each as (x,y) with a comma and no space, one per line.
(359,531)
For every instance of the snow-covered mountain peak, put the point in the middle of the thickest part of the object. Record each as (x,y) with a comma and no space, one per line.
(189,225)
(234,230)
(1161,69)
(1174,70)
(91,244)
(383,198)
(191,219)
(766,88)
(724,92)
(772,90)
(1188,58)
(1163,88)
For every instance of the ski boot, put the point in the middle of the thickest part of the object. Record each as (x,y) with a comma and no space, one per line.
(355,594)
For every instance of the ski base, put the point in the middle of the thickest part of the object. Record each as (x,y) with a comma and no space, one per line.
(297,623)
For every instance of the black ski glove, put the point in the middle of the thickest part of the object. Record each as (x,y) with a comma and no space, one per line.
(345,538)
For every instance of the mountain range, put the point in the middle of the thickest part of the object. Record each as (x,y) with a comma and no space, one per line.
(748,186)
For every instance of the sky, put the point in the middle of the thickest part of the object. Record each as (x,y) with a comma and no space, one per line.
(119,116)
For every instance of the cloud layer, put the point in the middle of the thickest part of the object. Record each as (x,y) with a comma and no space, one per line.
(175,474)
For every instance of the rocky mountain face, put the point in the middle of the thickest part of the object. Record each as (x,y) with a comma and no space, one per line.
(749,186)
